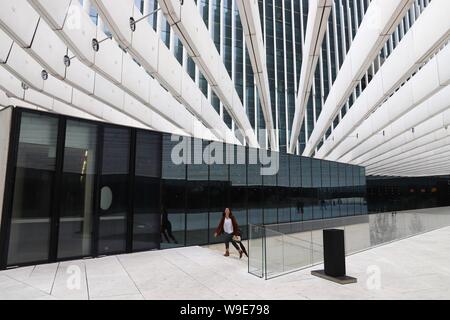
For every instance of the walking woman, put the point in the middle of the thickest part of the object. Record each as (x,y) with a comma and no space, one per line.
(229,227)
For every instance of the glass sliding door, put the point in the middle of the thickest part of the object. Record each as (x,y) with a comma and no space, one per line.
(147,219)
(114,191)
(77,194)
(173,195)
(33,187)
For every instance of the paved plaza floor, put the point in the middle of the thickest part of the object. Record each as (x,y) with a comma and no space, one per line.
(413,268)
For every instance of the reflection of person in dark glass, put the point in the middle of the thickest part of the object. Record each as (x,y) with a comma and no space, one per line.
(300,207)
(229,226)
(166,226)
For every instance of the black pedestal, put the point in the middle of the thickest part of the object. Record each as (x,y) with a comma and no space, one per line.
(334,257)
(334,252)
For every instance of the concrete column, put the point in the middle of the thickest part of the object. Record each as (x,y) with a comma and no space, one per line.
(5,126)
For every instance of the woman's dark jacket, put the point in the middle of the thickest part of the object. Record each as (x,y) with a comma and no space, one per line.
(219,229)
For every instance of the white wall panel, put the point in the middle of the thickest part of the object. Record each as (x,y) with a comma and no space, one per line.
(108,92)
(430,75)
(62,108)
(431,29)
(19,20)
(135,79)
(191,94)
(20,62)
(133,106)
(55,12)
(49,50)
(169,69)
(37,98)
(119,12)
(443,66)
(58,89)
(399,64)
(81,75)
(9,83)
(5,46)
(79,35)
(109,59)
(145,44)
(87,102)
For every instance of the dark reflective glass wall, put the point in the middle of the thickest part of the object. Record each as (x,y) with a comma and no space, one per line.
(386,194)
(29,238)
(114,190)
(77,205)
(173,181)
(83,188)
(149,218)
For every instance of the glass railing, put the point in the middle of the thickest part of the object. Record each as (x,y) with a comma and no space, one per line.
(279,249)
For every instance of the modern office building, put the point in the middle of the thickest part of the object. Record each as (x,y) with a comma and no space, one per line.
(97,95)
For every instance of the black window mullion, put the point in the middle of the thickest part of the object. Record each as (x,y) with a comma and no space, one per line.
(131,188)
(97,192)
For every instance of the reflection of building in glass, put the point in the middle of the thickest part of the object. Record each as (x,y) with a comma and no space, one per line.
(128,195)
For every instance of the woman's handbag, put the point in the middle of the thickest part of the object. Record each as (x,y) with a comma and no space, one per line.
(238,237)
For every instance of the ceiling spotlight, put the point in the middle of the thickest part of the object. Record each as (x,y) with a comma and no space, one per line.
(95,45)
(67,60)
(44,75)
(132,24)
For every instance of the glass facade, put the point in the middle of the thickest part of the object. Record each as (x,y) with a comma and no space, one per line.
(33,190)
(387,194)
(76,210)
(84,189)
